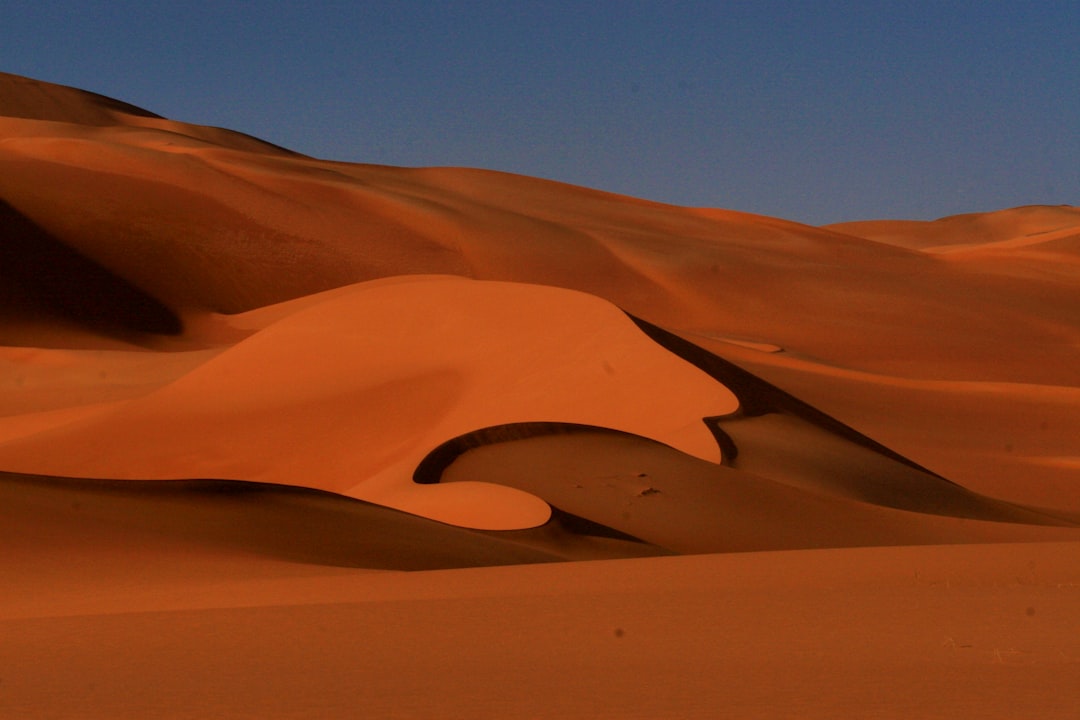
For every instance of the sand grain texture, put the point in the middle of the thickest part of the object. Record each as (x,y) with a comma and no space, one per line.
(284,437)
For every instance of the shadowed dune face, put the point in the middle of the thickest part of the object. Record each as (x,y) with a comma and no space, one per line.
(241,390)
(678,502)
(201,222)
(43,515)
(349,394)
(792,477)
(36,100)
(42,280)
(28,99)
(222,308)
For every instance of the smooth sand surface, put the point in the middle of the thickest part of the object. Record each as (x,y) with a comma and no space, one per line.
(934,632)
(1015,226)
(283,437)
(350,394)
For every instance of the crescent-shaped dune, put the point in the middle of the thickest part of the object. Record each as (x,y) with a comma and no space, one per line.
(350,394)
(287,437)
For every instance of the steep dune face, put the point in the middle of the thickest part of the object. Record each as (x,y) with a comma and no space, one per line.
(241,390)
(102,532)
(350,394)
(244,274)
(241,230)
(197,222)
(36,286)
(671,500)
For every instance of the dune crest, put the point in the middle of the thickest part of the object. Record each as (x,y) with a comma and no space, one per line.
(268,423)
(969,230)
(349,394)
(187,226)
(234,226)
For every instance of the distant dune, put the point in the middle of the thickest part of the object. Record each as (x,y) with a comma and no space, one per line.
(243,391)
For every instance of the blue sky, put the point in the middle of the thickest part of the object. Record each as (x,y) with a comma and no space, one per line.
(813,111)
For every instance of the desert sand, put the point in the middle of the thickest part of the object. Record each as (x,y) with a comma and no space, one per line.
(283,437)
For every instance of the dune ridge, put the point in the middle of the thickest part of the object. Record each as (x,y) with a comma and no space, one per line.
(1015,225)
(346,395)
(233,227)
(299,438)
(157,183)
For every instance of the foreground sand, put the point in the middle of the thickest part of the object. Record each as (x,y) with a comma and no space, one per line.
(933,632)
(282,437)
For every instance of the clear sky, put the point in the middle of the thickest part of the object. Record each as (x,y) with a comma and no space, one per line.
(812,111)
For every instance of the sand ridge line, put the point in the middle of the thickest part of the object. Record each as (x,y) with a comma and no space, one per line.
(345,395)
(937,568)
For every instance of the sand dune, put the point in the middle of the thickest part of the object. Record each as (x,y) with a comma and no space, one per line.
(243,391)
(680,503)
(22,97)
(29,99)
(998,438)
(350,394)
(973,229)
(116,523)
(197,225)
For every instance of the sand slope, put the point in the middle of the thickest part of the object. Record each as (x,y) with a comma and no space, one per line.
(243,390)
(1016,225)
(197,224)
(885,632)
(350,394)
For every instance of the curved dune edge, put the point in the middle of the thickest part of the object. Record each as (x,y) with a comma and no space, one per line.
(186,218)
(349,394)
(869,366)
(53,521)
(37,100)
(172,218)
(991,437)
(670,500)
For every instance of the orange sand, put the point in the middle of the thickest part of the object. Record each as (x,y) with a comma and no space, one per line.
(285,437)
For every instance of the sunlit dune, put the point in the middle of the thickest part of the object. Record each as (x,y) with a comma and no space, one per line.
(192,226)
(288,437)
(350,394)
(1017,225)
(1036,248)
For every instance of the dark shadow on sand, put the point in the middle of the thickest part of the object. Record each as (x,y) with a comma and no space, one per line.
(289,523)
(43,279)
